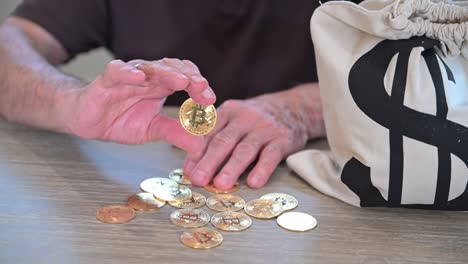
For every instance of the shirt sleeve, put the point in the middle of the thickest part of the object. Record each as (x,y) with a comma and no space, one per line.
(78,25)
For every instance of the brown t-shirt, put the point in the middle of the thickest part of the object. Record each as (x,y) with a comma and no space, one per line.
(243,47)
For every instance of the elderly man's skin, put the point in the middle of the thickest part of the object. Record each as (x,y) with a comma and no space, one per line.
(123,105)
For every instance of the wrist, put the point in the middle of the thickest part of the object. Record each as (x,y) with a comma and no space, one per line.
(302,108)
(310,105)
(63,110)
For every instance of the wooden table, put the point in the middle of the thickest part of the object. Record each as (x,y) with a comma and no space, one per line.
(52,184)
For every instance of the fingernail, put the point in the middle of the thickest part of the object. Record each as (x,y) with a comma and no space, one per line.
(197,177)
(255,181)
(222,182)
(207,94)
(135,71)
(197,78)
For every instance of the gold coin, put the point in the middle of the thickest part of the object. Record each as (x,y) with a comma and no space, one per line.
(190,218)
(145,202)
(197,119)
(201,238)
(231,221)
(264,209)
(287,201)
(178,176)
(211,188)
(152,185)
(115,214)
(171,194)
(225,202)
(197,201)
(295,221)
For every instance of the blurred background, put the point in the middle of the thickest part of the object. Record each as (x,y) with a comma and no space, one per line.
(86,66)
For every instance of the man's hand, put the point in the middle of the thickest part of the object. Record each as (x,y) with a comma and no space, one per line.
(123,104)
(264,130)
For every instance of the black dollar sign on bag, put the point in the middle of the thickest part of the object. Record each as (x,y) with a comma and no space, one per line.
(366,84)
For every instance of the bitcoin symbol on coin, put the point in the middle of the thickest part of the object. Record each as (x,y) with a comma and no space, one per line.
(366,84)
(189,217)
(189,202)
(281,200)
(203,238)
(197,119)
(229,220)
(226,203)
(198,116)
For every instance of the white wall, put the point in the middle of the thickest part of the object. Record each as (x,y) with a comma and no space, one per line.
(86,66)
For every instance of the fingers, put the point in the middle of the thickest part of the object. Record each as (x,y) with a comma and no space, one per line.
(269,159)
(243,155)
(169,129)
(118,72)
(193,157)
(162,76)
(219,148)
(198,88)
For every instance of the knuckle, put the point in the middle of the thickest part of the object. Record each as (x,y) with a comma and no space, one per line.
(229,105)
(133,62)
(197,155)
(246,149)
(190,63)
(222,140)
(116,62)
(113,65)
(268,164)
(273,152)
(286,133)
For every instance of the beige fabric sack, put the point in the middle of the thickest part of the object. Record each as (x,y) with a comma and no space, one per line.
(393,78)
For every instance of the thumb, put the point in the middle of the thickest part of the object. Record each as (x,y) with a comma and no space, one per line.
(170,130)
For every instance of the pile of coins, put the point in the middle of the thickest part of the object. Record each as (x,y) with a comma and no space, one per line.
(172,190)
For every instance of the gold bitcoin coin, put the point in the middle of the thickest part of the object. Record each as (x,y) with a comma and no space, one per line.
(211,188)
(115,214)
(152,185)
(197,119)
(197,201)
(202,238)
(231,221)
(144,202)
(264,209)
(189,218)
(178,176)
(225,202)
(172,194)
(287,201)
(295,221)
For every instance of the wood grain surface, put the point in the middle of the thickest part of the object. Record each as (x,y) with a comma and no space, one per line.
(52,184)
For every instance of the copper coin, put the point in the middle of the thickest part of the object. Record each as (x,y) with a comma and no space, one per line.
(202,238)
(178,176)
(197,201)
(231,221)
(211,188)
(190,218)
(197,119)
(225,202)
(145,202)
(115,214)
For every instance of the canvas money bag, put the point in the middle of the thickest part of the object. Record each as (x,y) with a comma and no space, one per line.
(393,81)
